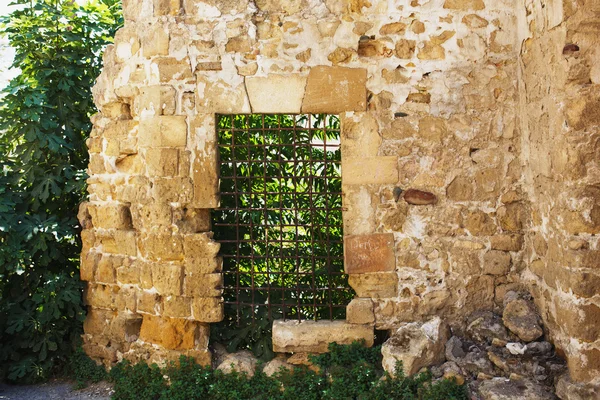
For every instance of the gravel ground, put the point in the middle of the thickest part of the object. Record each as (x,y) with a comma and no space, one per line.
(62,390)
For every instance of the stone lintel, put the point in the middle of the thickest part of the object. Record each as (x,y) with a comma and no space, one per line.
(276,93)
(315,336)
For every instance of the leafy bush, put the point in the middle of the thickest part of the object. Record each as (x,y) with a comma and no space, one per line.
(346,372)
(44,121)
(84,370)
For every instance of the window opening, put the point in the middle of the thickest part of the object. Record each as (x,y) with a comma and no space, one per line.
(280,217)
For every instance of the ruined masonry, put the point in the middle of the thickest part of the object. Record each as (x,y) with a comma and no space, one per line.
(488,111)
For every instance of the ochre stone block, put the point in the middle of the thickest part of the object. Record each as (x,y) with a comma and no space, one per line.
(170,69)
(177,307)
(375,285)
(315,336)
(360,311)
(162,161)
(173,190)
(87,268)
(207,309)
(119,242)
(203,285)
(97,322)
(100,296)
(149,303)
(496,262)
(161,246)
(153,216)
(163,131)
(167,279)
(369,253)
(374,170)
(334,90)
(276,93)
(464,4)
(201,254)
(170,333)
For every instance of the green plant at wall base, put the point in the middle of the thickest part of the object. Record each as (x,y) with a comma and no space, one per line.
(346,372)
(286,202)
(44,121)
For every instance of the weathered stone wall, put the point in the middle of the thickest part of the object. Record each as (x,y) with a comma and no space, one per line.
(560,103)
(438,95)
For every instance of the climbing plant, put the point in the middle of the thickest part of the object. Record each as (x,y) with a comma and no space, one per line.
(44,121)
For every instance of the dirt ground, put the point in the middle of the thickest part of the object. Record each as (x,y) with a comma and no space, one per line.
(62,390)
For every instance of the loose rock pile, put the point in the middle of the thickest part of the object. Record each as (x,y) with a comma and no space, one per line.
(498,356)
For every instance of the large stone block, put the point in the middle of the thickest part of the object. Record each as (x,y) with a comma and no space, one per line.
(207,309)
(161,246)
(167,279)
(360,311)
(374,170)
(334,90)
(369,253)
(315,336)
(201,254)
(118,242)
(163,131)
(177,307)
(375,285)
(203,285)
(170,333)
(276,93)
(162,161)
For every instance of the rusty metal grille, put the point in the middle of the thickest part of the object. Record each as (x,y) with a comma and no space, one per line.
(280,217)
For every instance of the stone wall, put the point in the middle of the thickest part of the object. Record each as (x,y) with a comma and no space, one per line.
(560,103)
(451,194)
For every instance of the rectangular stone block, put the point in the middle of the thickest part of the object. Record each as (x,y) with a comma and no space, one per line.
(87,267)
(374,170)
(170,333)
(360,311)
(125,299)
(126,327)
(207,309)
(97,322)
(192,220)
(369,253)
(149,303)
(315,336)
(170,68)
(359,135)
(376,285)
(334,90)
(162,161)
(110,216)
(201,254)
(155,100)
(161,246)
(151,217)
(163,131)
(177,307)
(119,242)
(172,190)
(203,285)
(155,41)
(167,279)
(276,93)
(100,296)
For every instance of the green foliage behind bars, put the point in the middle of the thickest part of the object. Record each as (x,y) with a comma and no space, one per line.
(44,120)
(285,183)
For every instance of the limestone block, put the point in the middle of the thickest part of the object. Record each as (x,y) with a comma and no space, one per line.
(163,131)
(375,285)
(360,311)
(161,246)
(405,49)
(207,309)
(119,242)
(315,336)
(359,135)
(155,100)
(100,296)
(242,361)
(162,161)
(106,269)
(167,7)
(119,129)
(374,170)
(115,216)
(155,41)
(433,128)
(149,303)
(97,322)
(334,90)
(167,279)
(203,285)
(100,352)
(172,69)
(87,267)
(201,254)
(149,217)
(464,4)
(276,93)
(88,240)
(126,327)
(170,333)
(128,274)
(172,190)
(496,262)
(177,307)
(520,316)
(125,299)
(416,345)
(460,189)
(360,204)
(579,321)
(192,220)
(369,253)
